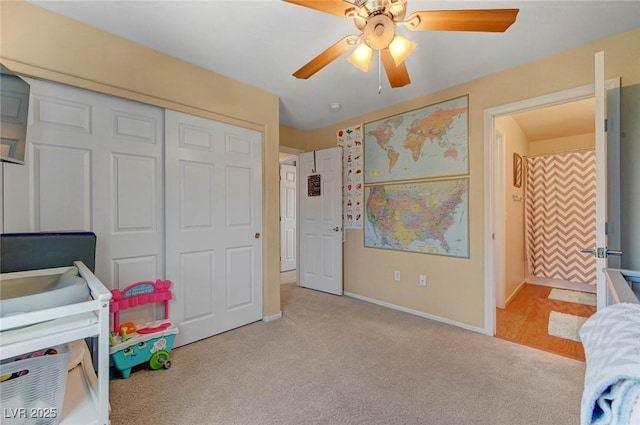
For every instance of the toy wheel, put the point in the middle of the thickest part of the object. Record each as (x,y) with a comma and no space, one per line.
(159,360)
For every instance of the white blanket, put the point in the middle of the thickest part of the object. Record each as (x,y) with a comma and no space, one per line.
(611,340)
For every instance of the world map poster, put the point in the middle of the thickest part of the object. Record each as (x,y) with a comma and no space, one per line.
(419,144)
(429,217)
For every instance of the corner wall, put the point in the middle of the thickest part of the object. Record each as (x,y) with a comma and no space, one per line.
(455,288)
(293,138)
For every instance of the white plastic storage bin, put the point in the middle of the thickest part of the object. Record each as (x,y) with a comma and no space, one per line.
(32,387)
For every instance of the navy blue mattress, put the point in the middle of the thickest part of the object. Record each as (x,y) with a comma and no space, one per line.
(44,250)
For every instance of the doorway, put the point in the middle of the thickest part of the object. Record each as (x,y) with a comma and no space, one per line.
(496,177)
(288,214)
(318,213)
(549,196)
(547,156)
(536,126)
(548,163)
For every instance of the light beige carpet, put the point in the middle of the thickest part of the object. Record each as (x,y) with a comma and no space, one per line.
(577,297)
(567,326)
(337,360)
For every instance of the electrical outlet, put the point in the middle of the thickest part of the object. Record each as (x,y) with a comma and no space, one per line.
(396,275)
(423,280)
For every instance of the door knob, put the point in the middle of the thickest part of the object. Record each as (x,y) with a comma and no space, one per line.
(335,229)
(257,236)
(601,252)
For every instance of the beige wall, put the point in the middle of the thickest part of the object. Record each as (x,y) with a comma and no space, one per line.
(563,144)
(294,138)
(455,287)
(514,272)
(42,44)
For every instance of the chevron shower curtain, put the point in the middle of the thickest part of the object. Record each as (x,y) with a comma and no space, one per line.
(561,216)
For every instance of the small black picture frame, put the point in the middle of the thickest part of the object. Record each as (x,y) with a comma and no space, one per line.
(314,185)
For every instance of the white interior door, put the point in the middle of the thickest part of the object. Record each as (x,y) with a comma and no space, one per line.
(320,222)
(604,139)
(214,225)
(288,188)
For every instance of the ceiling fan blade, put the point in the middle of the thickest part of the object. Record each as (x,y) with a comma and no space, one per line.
(334,7)
(398,75)
(488,20)
(326,57)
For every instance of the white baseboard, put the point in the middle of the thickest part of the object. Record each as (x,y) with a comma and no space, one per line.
(514,293)
(562,284)
(415,312)
(273,317)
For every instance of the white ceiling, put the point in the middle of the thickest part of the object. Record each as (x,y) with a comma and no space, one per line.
(263,42)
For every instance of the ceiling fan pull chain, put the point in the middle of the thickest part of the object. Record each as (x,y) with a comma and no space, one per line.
(379,74)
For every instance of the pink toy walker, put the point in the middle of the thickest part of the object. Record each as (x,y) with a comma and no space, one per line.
(133,344)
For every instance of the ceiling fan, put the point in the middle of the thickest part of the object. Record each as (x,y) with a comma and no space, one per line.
(377,21)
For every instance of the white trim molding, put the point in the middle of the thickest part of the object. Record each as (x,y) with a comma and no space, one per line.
(267,319)
(414,312)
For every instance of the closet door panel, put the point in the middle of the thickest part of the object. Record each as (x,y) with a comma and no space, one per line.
(197,295)
(214,224)
(62,114)
(134,194)
(135,128)
(94,162)
(134,269)
(239,282)
(61,188)
(197,195)
(128,182)
(58,138)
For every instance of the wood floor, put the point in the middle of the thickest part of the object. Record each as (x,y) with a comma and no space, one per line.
(525,320)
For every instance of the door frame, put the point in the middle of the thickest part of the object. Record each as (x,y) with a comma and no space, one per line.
(494,249)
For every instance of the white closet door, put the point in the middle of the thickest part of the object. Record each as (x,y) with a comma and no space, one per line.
(94,163)
(214,225)
(128,201)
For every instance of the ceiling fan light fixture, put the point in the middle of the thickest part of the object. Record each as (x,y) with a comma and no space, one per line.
(361,57)
(377,21)
(400,49)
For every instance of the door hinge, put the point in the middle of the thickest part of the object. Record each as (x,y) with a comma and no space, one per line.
(606,124)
